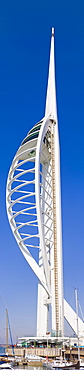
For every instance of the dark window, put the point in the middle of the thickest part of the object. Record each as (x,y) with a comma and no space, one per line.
(35,129)
(30,137)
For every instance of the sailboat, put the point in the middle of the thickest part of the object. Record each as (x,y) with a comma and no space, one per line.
(6,366)
(63,364)
(80,363)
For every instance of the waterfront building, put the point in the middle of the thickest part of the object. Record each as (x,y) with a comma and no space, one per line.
(34,212)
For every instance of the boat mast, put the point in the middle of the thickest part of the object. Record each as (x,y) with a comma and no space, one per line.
(6,331)
(76,295)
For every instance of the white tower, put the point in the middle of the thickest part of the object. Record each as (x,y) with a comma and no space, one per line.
(51,182)
(34,207)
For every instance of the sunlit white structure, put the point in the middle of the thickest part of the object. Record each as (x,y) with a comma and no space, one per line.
(34,210)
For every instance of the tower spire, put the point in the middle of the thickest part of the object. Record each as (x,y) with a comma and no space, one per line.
(51,108)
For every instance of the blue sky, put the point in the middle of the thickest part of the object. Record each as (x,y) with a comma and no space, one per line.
(25,30)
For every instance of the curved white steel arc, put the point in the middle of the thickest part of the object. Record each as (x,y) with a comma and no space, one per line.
(46,123)
(27,208)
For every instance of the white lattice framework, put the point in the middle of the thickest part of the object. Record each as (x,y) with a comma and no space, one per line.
(24,186)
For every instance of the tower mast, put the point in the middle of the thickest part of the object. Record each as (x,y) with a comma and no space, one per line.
(56,250)
(56,261)
(51,106)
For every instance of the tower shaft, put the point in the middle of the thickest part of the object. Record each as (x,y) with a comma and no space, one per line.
(55,233)
(56,275)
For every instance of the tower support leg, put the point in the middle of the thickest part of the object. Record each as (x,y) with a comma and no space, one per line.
(42,312)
